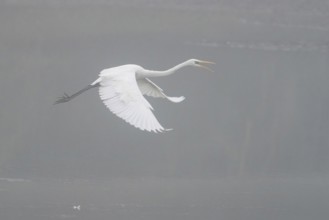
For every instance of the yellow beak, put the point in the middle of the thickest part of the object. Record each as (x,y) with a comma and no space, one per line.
(202,63)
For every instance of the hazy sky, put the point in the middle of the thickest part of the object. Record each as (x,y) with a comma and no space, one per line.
(249,142)
(264,111)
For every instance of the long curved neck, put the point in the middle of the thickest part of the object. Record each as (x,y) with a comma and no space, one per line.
(155,73)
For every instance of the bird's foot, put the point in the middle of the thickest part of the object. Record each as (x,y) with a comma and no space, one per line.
(64,98)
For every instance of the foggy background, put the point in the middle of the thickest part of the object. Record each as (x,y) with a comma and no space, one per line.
(249,142)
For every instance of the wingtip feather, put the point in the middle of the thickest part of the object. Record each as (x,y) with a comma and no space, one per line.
(176,99)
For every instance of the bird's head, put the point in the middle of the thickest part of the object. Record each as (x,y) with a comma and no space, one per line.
(200,63)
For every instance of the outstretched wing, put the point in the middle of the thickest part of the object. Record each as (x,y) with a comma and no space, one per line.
(149,88)
(120,93)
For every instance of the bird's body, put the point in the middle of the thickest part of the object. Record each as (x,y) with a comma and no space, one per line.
(122,90)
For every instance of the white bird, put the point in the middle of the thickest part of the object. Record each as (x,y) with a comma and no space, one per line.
(122,88)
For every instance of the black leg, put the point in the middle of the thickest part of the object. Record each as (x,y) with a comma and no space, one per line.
(66,97)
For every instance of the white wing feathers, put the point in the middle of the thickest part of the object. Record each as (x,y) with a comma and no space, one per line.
(121,94)
(147,87)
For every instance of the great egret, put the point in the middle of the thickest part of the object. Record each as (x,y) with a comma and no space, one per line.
(122,88)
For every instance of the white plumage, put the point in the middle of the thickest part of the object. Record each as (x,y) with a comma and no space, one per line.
(121,94)
(149,88)
(122,88)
